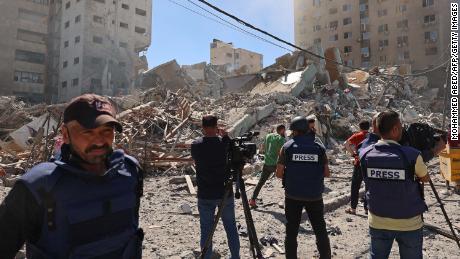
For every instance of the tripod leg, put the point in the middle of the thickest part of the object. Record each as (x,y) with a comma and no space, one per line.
(216,220)
(444,212)
(257,253)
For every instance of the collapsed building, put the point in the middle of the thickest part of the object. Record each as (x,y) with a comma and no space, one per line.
(163,117)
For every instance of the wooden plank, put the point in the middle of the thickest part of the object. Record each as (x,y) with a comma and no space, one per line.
(173,132)
(191,188)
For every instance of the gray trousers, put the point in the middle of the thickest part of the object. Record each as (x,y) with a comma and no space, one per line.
(267,171)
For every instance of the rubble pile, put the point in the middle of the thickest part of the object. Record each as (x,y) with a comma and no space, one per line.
(163,116)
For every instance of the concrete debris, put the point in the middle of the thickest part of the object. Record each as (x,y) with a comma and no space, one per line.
(162,117)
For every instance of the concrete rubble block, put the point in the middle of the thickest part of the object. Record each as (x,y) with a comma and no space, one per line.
(306,80)
(418,83)
(323,78)
(341,128)
(333,54)
(249,120)
(21,136)
(410,115)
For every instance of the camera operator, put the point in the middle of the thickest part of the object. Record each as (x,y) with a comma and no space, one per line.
(391,173)
(210,155)
(304,164)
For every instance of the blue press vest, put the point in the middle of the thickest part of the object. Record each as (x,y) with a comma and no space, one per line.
(370,139)
(304,169)
(85,215)
(388,171)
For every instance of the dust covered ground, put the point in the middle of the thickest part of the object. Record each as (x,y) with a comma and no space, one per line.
(172,234)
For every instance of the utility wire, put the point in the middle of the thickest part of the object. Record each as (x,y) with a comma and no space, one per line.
(284,41)
(227,24)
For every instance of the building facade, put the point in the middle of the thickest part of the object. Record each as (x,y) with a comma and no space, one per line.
(235,60)
(23,47)
(55,50)
(376,32)
(101,41)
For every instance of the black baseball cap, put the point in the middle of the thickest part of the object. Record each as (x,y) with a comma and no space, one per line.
(91,111)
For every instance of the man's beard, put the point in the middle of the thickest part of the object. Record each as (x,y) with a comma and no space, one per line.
(93,160)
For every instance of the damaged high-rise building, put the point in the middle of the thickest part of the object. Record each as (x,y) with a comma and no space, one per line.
(53,50)
(376,32)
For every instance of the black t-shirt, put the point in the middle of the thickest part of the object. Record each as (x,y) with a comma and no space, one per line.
(210,155)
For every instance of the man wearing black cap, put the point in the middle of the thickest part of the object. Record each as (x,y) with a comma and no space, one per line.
(86,205)
(210,155)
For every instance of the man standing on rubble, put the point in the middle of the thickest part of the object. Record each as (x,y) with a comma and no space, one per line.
(210,155)
(303,164)
(272,145)
(392,173)
(351,145)
(84,205)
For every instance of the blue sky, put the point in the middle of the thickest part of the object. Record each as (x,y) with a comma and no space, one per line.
(185,36)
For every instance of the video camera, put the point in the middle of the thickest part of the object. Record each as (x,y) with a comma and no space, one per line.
(423,137)
(241,149)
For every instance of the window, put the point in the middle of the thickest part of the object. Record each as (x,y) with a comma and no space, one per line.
(382,12)
(67,5)
(141,12)
(123,25)
(28,77)
(347,49)
(383,28)
(77,18)
(383,43)
(333,25)
(76,60)
(427,3)
(125,6)
(97,39)
(428,19)
(95,83)
(363,7)
(401,8)
(229,55)
(365,52)
(334,37)
(64,84)
(402,41)
(96,61)
(100,1)
(67,24)
(347,35)
(383,58)
(77,39)
(75,82)
(31,16)
(317,27)
(347,21)
(29,56)
(333,11)
(431,36)
(366,35)
(123,45)
(349,62)
(317,41)
(64,64)
(316,2)
(403,24)
(42,2)
(346,7)
(139,30)
(431,51)
(98,19)
(31,36)
(122,64)
(66,44)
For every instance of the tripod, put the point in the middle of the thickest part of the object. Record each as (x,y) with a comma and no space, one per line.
(444,212)
(240,191)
